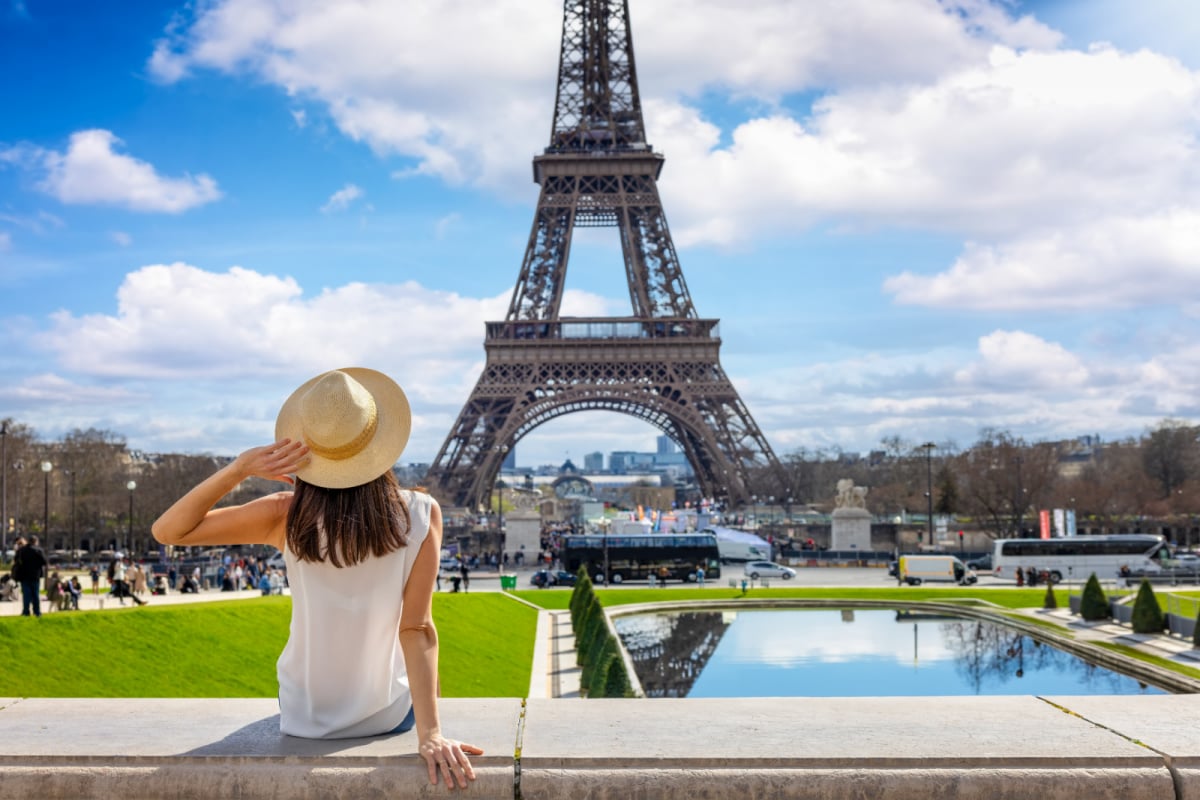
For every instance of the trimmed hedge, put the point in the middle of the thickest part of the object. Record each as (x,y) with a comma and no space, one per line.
(597,651)
(1051,601)
(1147,615)
(1093,605)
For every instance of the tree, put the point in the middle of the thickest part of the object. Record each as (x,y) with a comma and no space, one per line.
(1169,454)
(1093,605)
(1147,616)
(1004,479)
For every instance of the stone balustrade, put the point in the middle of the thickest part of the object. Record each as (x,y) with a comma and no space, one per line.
(1123,748)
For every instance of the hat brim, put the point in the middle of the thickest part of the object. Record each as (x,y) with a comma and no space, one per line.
(379,454)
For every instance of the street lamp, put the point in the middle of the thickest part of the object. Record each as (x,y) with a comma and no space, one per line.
(4,490)
(71,474)
(46,467)
(928,448)
(129,540)
(19,466)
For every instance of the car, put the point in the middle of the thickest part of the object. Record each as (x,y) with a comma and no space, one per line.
(545,578)
(768,569)
(981,564)
(1187,561)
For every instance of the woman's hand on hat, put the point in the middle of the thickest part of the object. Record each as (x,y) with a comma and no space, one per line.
(276,462)
(450,758)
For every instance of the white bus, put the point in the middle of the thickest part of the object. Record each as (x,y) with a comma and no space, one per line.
(1077,557)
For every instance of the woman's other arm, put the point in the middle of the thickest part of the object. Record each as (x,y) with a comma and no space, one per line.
(192,520)
(418,640)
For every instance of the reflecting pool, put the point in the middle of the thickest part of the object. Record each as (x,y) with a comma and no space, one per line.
(850,653)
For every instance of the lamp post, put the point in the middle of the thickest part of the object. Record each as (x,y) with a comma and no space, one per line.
(4,489)
(498,486)
(71,474)
(129,540)
(19,466)
(928,448)
(46,467)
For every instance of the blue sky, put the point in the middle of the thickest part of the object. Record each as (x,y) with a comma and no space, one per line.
(913,218)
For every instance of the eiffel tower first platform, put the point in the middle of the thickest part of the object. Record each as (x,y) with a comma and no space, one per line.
(662,363)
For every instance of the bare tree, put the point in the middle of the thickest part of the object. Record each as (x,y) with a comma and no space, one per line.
(1170,454)
(1004,480)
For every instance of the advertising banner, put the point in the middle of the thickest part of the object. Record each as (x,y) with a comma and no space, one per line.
(1071,529)
(1044,521)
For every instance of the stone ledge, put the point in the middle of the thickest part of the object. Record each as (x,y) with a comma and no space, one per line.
(1124,748)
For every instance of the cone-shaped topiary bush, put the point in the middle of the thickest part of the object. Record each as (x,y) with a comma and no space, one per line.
(591,677)
(1196,633)
(616,679)
(1147,616)
(591,620)
(1051,601)
(1093,605)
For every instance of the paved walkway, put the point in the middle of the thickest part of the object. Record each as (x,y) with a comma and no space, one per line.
(1169,648)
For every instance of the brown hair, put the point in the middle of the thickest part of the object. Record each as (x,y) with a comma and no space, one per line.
(347,525)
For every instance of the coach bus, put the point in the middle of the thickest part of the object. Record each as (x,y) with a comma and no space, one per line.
(1080,556)
(636,557)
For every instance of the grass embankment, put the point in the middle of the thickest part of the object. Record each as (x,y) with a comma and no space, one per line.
(228,649)
(1002,597)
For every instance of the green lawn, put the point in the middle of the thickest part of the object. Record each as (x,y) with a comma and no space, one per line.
(228,649)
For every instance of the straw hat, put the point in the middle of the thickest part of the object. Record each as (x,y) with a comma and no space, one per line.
(355,422)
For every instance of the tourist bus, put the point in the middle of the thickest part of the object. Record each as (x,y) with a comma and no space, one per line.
(636,557)
(1077,557)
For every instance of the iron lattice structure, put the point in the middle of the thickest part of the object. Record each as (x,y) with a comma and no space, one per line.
(662,363)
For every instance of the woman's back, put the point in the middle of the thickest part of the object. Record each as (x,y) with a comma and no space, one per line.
(342,673)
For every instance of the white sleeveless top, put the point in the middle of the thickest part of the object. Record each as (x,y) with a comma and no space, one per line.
(342,672)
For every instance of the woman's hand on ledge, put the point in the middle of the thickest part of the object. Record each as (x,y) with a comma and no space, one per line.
(449,757)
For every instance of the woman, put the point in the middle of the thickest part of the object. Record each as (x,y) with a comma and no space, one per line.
(362,558)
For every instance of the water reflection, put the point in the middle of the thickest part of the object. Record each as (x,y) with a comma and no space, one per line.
(669,651)
(849,653)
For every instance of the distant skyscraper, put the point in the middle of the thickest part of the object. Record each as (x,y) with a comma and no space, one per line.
(666,445)
(593,462)
(510,460)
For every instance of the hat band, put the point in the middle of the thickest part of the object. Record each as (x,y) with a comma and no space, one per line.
(351,448)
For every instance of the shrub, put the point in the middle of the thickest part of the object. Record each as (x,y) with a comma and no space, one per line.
(1147,616)
(1094,605)
(590,620)
(1051,601)
(1196,632)
(580,595)
(616,679)
(606,648)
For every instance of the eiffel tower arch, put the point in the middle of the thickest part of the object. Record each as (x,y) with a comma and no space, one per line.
(661,364)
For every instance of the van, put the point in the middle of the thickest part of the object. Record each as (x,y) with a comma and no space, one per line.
(915,570)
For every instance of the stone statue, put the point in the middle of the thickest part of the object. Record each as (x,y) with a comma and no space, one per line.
(849,495)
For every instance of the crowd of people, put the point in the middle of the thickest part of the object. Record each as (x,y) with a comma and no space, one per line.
(33,578)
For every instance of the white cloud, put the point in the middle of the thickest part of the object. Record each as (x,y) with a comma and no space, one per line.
(459,88)
(122,238)
(300,117)
(1016,358)
(342,198)
(91,172)
(1108,263)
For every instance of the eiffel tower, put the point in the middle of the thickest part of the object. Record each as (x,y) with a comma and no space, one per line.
(661,364)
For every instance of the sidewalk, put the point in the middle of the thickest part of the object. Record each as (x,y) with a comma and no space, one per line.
(102,601)
(1169,648)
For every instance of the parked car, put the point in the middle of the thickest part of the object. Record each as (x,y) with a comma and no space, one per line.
(981,564)
(545,578)
(1187,561)
(768,569)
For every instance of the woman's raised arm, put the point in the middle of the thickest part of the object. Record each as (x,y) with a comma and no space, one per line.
(192,520)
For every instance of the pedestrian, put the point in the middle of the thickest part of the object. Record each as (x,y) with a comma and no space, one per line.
(29,565)
(466,575)
(362,558)
(700,576)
